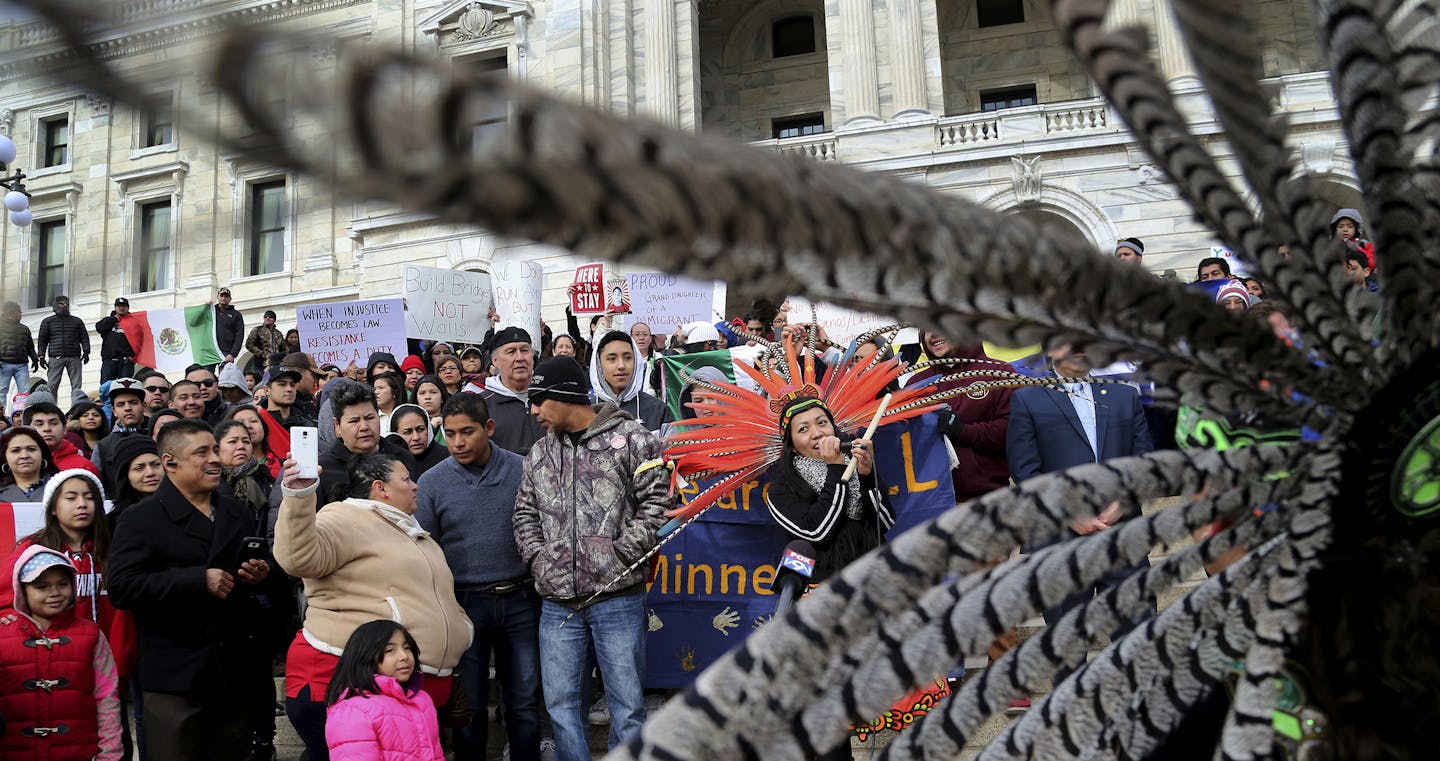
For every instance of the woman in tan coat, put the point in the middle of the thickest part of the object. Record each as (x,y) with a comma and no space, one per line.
(363,558)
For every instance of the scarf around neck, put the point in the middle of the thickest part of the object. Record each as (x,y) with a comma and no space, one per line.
(815,472)
(402,520)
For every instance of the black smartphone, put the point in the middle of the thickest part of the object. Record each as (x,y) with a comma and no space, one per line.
(254,548)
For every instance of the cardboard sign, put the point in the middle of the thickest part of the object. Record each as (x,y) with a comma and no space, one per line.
(588,294)
(517,285)
(666,302)
(446,305)
(841,325)
(350,331)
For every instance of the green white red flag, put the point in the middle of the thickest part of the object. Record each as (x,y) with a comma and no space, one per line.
(170,340)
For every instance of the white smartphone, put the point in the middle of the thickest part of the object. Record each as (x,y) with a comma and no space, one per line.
(305,450)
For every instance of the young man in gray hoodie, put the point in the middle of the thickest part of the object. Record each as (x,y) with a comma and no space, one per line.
(467,503)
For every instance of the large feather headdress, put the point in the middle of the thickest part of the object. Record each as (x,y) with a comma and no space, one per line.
(741,434)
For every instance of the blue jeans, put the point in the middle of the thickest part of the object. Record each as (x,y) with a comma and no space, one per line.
(509,626)
(617,627)
(21,373)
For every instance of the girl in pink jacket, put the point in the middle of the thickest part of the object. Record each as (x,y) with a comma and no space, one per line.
(377,710)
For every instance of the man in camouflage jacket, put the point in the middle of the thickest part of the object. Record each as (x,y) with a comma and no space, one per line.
(593,495)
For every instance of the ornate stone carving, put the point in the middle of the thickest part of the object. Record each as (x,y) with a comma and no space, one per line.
(477,21)
(99,104)
(7,121)
(1150,174)
(1317,155)
(1026,177)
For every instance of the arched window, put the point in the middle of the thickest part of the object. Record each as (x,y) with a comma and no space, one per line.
(794,35)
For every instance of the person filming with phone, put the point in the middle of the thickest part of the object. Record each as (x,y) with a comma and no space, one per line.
(363,557)
(178,561)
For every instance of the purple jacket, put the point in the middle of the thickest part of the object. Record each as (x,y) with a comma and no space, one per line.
(395,724)
(587,511)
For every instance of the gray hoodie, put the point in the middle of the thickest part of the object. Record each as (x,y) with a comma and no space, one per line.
(644,407)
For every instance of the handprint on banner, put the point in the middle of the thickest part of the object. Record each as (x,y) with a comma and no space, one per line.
(687,659)
(655,623)
(726,620)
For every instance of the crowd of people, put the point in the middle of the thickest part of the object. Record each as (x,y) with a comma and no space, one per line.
(479,512)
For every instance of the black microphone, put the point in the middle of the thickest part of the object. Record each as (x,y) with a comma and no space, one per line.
(793,573)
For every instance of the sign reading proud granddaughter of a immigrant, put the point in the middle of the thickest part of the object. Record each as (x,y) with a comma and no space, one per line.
(350,331)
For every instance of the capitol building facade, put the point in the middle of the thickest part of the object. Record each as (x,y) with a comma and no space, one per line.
(975,98)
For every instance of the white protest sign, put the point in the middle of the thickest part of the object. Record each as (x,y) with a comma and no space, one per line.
(666,302)
(517,287)
(445,305)
(841,325)
(350,331)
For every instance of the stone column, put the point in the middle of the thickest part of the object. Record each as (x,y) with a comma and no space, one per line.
(1123,13)
(852,24)
(662,99)
(1174,60)
(907,57)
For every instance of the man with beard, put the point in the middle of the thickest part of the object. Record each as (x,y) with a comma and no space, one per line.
(157,391)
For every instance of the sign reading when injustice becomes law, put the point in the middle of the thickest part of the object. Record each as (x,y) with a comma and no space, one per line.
(446,305)
(350,331)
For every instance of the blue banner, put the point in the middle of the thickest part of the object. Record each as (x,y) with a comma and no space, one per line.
(711,586)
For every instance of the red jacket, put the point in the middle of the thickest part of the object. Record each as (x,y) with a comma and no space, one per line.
(68,456)
(980,441)
(118,625)
(58,690)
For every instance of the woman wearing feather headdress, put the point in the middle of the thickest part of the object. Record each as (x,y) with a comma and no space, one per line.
(814,495)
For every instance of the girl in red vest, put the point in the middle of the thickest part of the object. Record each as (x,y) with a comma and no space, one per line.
(59,692)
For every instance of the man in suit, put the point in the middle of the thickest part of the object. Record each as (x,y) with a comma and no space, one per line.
(176,562)
(1057,427)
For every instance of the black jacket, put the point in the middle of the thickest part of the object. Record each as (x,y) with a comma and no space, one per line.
(189,640)
(229,330)
(16,344)
(113,344)
(64,335)
(335,464)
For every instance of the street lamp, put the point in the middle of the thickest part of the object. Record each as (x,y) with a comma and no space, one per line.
(16,199)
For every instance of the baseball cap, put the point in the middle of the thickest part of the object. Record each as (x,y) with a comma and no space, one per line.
(121,301)
(702,333)
(126,386)
(271,314)
(39,563)
(294,374)
(298,360)
(224,291)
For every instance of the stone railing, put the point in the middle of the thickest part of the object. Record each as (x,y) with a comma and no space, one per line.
(1063,117)
(971,129)
(819,147)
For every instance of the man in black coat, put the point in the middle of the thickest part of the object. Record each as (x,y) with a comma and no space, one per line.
(176,562)
(117,357)
(17,352)
(64,344)
(229,326)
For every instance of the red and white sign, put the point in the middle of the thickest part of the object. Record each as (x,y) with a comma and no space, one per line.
(588,295)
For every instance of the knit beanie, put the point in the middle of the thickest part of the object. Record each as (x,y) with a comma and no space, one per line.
(52,487)
(117,465)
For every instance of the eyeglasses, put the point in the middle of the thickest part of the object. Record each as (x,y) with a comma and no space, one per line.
(206,383)
(157,389)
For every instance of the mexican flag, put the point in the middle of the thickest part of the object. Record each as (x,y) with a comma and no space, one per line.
(170,340)
(674,368)
(21,519)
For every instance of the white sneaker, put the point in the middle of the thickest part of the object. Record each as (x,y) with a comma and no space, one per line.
(547,750)
(600,712)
